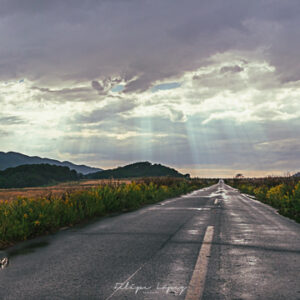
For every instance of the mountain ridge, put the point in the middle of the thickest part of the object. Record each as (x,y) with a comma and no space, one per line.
(138,169)
(13,159)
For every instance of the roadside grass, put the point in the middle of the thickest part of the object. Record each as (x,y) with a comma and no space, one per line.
(26,217)
(55,190)
(283,193)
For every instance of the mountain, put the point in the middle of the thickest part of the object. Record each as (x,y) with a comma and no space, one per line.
(297,174)
(14,159)
(36,175)
(139,169)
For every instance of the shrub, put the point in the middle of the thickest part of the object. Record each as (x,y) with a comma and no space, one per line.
(25,218)
(281,193)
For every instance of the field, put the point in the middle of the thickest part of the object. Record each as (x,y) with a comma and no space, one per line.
(55,190)
(283,193)
(45,210)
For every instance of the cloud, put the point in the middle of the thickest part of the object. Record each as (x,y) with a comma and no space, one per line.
(177,116)
(110,110)
(11,120)
(64,92)
(97,86)
(221,143)
(105,85)
(97,39)
(231,69)
(166,86)
(3,133)
(120,80)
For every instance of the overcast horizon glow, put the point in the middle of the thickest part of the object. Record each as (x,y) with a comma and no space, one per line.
(210,88)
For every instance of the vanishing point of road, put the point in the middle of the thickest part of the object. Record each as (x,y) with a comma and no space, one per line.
(214,243)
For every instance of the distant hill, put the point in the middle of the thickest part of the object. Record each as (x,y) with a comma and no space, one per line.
(14,159)
(139,169)
(35,175)
(297,174)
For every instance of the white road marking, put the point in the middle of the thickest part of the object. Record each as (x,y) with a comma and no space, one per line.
(4,262)
(179,208)
(196,286)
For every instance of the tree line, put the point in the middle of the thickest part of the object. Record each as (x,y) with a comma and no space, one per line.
(36,175)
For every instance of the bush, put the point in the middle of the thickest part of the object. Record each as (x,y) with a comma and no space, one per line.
(25,218)
(282,193)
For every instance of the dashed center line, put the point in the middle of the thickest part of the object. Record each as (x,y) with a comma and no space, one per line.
(179,208)
(196,286)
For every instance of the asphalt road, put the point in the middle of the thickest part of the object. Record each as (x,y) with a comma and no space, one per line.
(157,252)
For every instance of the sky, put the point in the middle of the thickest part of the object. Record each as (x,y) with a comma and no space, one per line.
(211,87)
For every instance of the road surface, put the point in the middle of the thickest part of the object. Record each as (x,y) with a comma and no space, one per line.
(214,243)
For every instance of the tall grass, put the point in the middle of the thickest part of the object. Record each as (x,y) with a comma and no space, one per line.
(24,218)
(283,193)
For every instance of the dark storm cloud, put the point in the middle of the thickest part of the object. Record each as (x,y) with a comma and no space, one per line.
(105,85)
(141,41)
(139,85)
(97,86)
(231,69)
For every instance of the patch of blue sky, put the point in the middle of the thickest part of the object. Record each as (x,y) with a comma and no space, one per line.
(118,88)
(166,86)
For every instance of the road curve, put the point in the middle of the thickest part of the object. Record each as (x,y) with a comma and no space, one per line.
(214,243)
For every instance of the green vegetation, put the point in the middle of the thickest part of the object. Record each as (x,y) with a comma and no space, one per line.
(140,169)
(45,174)
(35,175)
(25,218)
(282,193)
